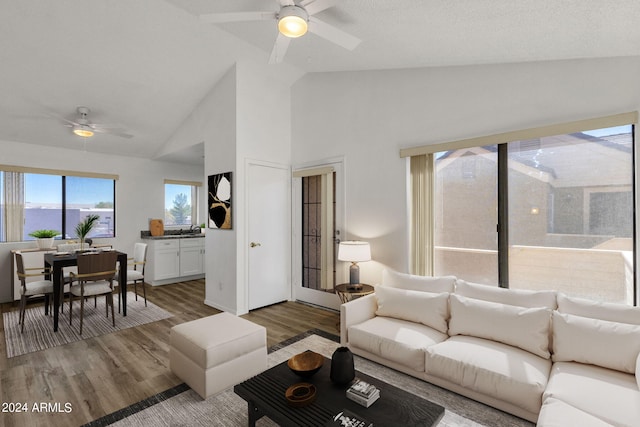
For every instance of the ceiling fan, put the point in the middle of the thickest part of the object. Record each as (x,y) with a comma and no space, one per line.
(83,127)
(294,20)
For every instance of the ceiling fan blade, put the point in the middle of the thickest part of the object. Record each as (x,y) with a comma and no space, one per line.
(279,49)
(220,18)
(314,6)
(62,119)
(116,132)
(333,34)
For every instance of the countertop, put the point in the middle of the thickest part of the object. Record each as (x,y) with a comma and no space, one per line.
(174,236)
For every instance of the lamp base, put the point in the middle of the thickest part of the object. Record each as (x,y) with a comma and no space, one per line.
(354,277)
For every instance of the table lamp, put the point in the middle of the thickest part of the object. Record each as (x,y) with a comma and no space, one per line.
(354,252)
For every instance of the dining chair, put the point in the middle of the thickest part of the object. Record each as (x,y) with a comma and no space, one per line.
(135,270)
(31,288)
(94,277)
(66,271)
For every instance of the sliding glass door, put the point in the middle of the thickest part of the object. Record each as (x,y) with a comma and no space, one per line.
(563,206)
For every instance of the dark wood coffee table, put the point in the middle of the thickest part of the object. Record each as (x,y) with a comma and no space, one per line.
(265,396)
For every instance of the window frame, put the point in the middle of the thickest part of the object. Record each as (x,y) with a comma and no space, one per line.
(63,174)
(420,218)
(195,211)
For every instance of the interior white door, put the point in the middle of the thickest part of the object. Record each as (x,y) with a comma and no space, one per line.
(269,242)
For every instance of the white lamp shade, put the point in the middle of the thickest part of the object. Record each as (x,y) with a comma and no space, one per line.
(354,251)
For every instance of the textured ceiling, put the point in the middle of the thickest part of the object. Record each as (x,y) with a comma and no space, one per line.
(145,64)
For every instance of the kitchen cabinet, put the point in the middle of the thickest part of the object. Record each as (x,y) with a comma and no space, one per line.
(191,257)
(165,262)
(172,260)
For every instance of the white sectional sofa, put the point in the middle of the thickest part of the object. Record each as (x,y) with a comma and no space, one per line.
(543,356)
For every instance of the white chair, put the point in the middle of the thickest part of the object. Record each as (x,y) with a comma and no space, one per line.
(94,277)
(135,270)
(31,288)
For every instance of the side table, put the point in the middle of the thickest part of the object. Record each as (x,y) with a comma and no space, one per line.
(347,294)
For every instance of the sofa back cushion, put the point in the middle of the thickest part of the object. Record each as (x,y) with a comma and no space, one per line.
(518,297)
(412,282)
(599,310)
(612,345)
(522,327)
(415,306)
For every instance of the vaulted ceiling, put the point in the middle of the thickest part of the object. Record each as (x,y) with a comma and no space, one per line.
(143,65)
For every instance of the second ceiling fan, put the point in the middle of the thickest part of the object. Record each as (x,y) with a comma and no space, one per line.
(294,20)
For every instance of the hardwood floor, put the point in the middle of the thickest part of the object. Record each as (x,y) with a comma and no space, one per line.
(100,375)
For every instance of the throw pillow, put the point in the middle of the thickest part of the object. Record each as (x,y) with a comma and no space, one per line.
(415,306)
(580,339)
(525,328)
(417,283)
(598,310)
(519,297)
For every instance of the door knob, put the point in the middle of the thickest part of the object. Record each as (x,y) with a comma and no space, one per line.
(254,244)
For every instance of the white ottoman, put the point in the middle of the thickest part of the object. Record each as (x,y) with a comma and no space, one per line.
(216,352)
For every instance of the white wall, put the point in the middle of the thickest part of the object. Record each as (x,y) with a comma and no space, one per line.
(368,116)
(139,191)
(246,116)
(264,135)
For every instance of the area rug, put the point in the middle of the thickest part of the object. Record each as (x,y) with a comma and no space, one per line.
(38,328)
(181,406)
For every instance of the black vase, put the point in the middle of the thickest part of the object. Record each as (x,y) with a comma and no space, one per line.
(342,370)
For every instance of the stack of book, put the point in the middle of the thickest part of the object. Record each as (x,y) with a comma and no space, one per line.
(363,393)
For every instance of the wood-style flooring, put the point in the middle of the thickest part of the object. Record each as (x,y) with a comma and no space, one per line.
(98,376)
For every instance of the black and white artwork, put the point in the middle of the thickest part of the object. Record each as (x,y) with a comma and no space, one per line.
(220,201)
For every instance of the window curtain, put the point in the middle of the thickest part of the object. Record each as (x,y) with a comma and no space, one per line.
(421,215)
(13,206)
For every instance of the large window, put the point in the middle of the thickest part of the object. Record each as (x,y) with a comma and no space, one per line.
(181,203)
(548,212)
(466,197)
(34,200)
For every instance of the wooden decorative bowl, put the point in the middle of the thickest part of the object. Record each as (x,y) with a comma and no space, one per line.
(300,394)
(306,364)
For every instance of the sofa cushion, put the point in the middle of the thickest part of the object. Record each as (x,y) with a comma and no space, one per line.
(611,345)
(518,297)
(499,370)
(398,340)
(412,282)
(526,328)
(556,413)
(599,310)
(612,396)
(420,307)
(638,370)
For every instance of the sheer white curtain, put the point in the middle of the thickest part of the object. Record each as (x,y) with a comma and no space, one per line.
(13,206)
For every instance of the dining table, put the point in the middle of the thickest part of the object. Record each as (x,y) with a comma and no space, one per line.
(55,262)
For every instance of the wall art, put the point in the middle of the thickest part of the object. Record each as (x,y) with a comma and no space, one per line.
(220,201)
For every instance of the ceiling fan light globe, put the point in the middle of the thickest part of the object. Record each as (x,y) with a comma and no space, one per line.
(83,131)
(292,21)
